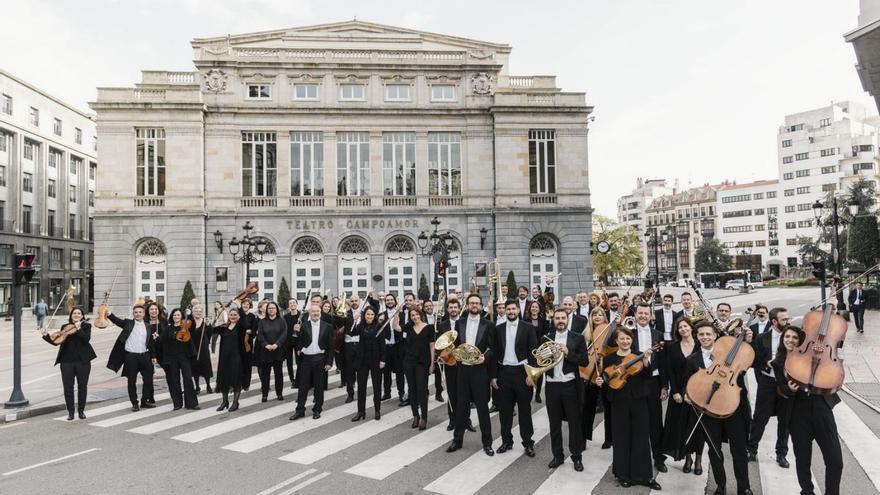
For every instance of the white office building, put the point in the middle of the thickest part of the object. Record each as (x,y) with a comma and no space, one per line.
(748,225)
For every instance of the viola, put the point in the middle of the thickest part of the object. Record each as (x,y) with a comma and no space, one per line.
(61,335)
(610,346)
(616,376)
(714,391)
(594,353)
(183,334)
(815,365)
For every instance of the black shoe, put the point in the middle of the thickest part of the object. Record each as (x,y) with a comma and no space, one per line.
(625,483)
(148,405)
(279,397)
(70,416)
(234,406)
(488,450)
(606,445)
(386,396)
(555,462)
(222,406)
(134,408)
(341,384)
(782,461)
(753,457)
(177,408)
(470,428)
(578,465)
(415,423)
(316,415)
(453,446)
(357,417)
(653,485)
(450,426)
(297,415)
(349,399)
(530,451)
(747,491)
(198,390)
(377,416)
(538,399)
(504,447)
(150,401)
(698,470)
(194,408)
(661,466)
(423,424)
(208,389)
(403,403)
(439,397)
(82,414)
(265,398)
(687,465)
(493,409)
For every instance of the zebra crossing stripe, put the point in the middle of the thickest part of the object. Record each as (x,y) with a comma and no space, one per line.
(286,482)
(119,406)
(305,483)
(566,481)
(403,454)
(353,436)
(192,417)
(861,441)
(479,469)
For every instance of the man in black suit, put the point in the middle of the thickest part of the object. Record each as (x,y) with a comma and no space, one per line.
(767,401)
(453,311)
(856,301)
(315,343)
(522,302)
(135,352)
(613,306)
(513,344)
(643,339)
(393,348)
(576,323)
(564,391)
(762,320)
(473,381)
(665,317)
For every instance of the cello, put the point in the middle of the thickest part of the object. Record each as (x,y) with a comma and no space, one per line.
(714,391)
(815,365)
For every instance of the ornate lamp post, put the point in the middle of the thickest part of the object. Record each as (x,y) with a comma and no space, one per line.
(248,250)
(440,245)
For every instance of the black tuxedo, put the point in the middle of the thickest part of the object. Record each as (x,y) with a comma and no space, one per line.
(660,322)
(522,308)
(451,374)
(857,310)
(313,374)
(132,363)
(653,385)
(755,326)
(117,354)
(578,323)
(564,399)
(511,380)
(290,356)
(395,354)
(75,355)
(473,381)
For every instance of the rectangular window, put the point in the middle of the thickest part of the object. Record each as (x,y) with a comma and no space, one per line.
(27,213)
(56,259)
(75,163)
(54,158)
(827,152)
(6,256)
(786,143)
(71,226)
(771,210)
(34,117)
(3,140)
(759,227)
(259,92)
(787,159)
(27,182)
(802,173)
(353,164)
(789,192)
(804,223)
(759,211)
(771,194)
(305,91)
(56,127)
(29,150)
(790,225)
(803,190)
(736,199)
(804,207)
(150,161)
(91,198)
(444,164)
(50,188)
(788,176)
(442,92)
(76,259)
(542,161)
(829,187)
(71,194)
(2,178)
(738,213)
(760,243)
(397,92)
(352,92)
(7,104)
(258,164)
(862,166)
(399,163)
(78,135)
(824,122)
(829,170)
(93,170)
(50,223)
(306,164)
(796,127)
(95,143)
(758,196)
(801,156)
(789,209)
(737,229)
(791,242)
(866,147)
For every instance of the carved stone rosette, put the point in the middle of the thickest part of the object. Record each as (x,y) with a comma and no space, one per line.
(215,81)
(482,84)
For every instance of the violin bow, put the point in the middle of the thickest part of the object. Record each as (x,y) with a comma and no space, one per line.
(67,295)
(699,422)
(866,273)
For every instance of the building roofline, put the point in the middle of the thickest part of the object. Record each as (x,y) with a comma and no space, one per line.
(47,95)
(757,183)
(861,31)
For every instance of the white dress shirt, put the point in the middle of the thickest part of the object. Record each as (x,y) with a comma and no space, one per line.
(707,357)
(558,376)
(137,339)
(612,315)
(522,305)
(314,348)
(644,334)
(500,320)
(429,318)
(510,344)
(470,334)
(667,322)
(584,310)
(774,346)
(763,326)
(353,338)
(392,335)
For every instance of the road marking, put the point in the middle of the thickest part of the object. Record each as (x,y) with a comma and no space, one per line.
(479,469)
(774,479)
(35,380)
(305,483)
(192,417)
(101,411)
(286,482)
(10,473)
(17,423)
(566,481)
(353,436)
(399,456)
(861,441)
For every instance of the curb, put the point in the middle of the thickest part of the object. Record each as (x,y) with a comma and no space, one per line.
(861,399)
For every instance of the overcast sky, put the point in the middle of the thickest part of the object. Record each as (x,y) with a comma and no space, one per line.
(686,89)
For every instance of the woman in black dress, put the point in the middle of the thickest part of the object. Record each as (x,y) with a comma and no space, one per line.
(792,338)
(201,337)
(369,360)
(249,324)
(418,365)
(535,316)
(230,363)
(632,446)
(176,356)
(75,356)
(680,416)
(271,338)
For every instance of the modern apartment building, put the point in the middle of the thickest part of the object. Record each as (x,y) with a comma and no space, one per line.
(748,226)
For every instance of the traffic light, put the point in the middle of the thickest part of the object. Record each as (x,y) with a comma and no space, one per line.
(24,268)
(441,267)
(819,270)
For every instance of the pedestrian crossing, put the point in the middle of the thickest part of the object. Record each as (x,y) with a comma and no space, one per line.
(371,459)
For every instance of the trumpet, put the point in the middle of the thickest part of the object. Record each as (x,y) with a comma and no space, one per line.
(547,356)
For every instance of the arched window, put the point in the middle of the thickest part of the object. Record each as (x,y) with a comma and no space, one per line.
(307,269)
(354,266)
(453,272)
(400,266)
(263,272)
(544,262)
(150,271)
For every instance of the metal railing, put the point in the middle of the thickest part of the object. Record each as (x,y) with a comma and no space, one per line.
(149,202)
(542,199)
(445,201)
(399,201)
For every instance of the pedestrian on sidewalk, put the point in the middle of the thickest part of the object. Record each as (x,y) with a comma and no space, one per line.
(75,355)
(857,306)
(41,309)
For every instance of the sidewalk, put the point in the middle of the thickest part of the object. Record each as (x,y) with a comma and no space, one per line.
(861,359)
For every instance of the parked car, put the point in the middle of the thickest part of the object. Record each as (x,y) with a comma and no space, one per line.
(738,285)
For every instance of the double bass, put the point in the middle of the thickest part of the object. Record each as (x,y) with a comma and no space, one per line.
(815,365)
(714,391)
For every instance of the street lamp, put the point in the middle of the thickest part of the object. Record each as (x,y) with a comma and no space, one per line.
(218,240)
(651,237)
(440,245)
(247,250)
(835,222)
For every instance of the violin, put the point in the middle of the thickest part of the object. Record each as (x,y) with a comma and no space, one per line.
(250,289)
(714,391)
(595,351)
(183,334)
(58,337)
(610,347)
(616,376)
(815,365)
(101,320)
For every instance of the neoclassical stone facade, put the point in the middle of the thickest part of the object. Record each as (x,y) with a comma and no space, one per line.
(339,143)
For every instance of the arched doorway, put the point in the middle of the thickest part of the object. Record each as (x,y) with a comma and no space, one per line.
(544,262)
(354,266)
(307,269)
(151,271)
(400,266)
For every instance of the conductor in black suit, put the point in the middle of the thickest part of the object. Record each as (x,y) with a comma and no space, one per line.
(135,352)
(656,382)
(513,345)
(316,346)
(473,381)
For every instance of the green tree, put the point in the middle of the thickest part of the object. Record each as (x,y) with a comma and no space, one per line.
(188,295)
(810,250)
(424,292)
(712,256)
(864,240)
(511,285)
(625,257)
(283,293)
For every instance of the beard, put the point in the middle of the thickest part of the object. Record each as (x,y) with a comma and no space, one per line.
(511,317)
(474,311)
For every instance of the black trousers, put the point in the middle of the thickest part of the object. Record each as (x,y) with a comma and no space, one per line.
(539,385)
(812,419)
(513,391)
(735,429)
(311,376)
(859,316)
(394,364)
(143,364)
(375,374)
(451,373)
(265,370)
(606,412)
(78,371)
(632,452)
(473,386)
(290,358)
(768,403)
(562,400)
(417,382)
(438,380)
(177,367)
(588,412)
(655,417)
(348,373)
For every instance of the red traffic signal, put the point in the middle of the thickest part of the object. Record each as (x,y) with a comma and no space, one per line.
(24,268)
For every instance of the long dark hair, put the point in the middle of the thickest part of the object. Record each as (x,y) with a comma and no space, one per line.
(81,311)
(781,351)
(277,310)
(676,335)
(171,316)
(529,311)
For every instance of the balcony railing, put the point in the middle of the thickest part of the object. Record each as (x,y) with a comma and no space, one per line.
(7,226)
(399,201)
(353,201)
(33,229)
(304,202)
(149,202)
(445,201)
(542,199)
(259,202)
(55,232)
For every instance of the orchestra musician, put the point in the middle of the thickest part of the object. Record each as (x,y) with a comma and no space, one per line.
(134,351)
(75,355)
(418,364)
(316,345)
(156,323)
(230,361)
(177,355)
(393,350)
(291,320)
(592,392)
(201,364)
(680,417)
(269,350)
(453,311)
(522,301)
(432,319)
(664,318)
(655,381)
(249,323)
(767,401)
(369,359)
(541,326)
(221,317)
(687,304)
(762,320)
